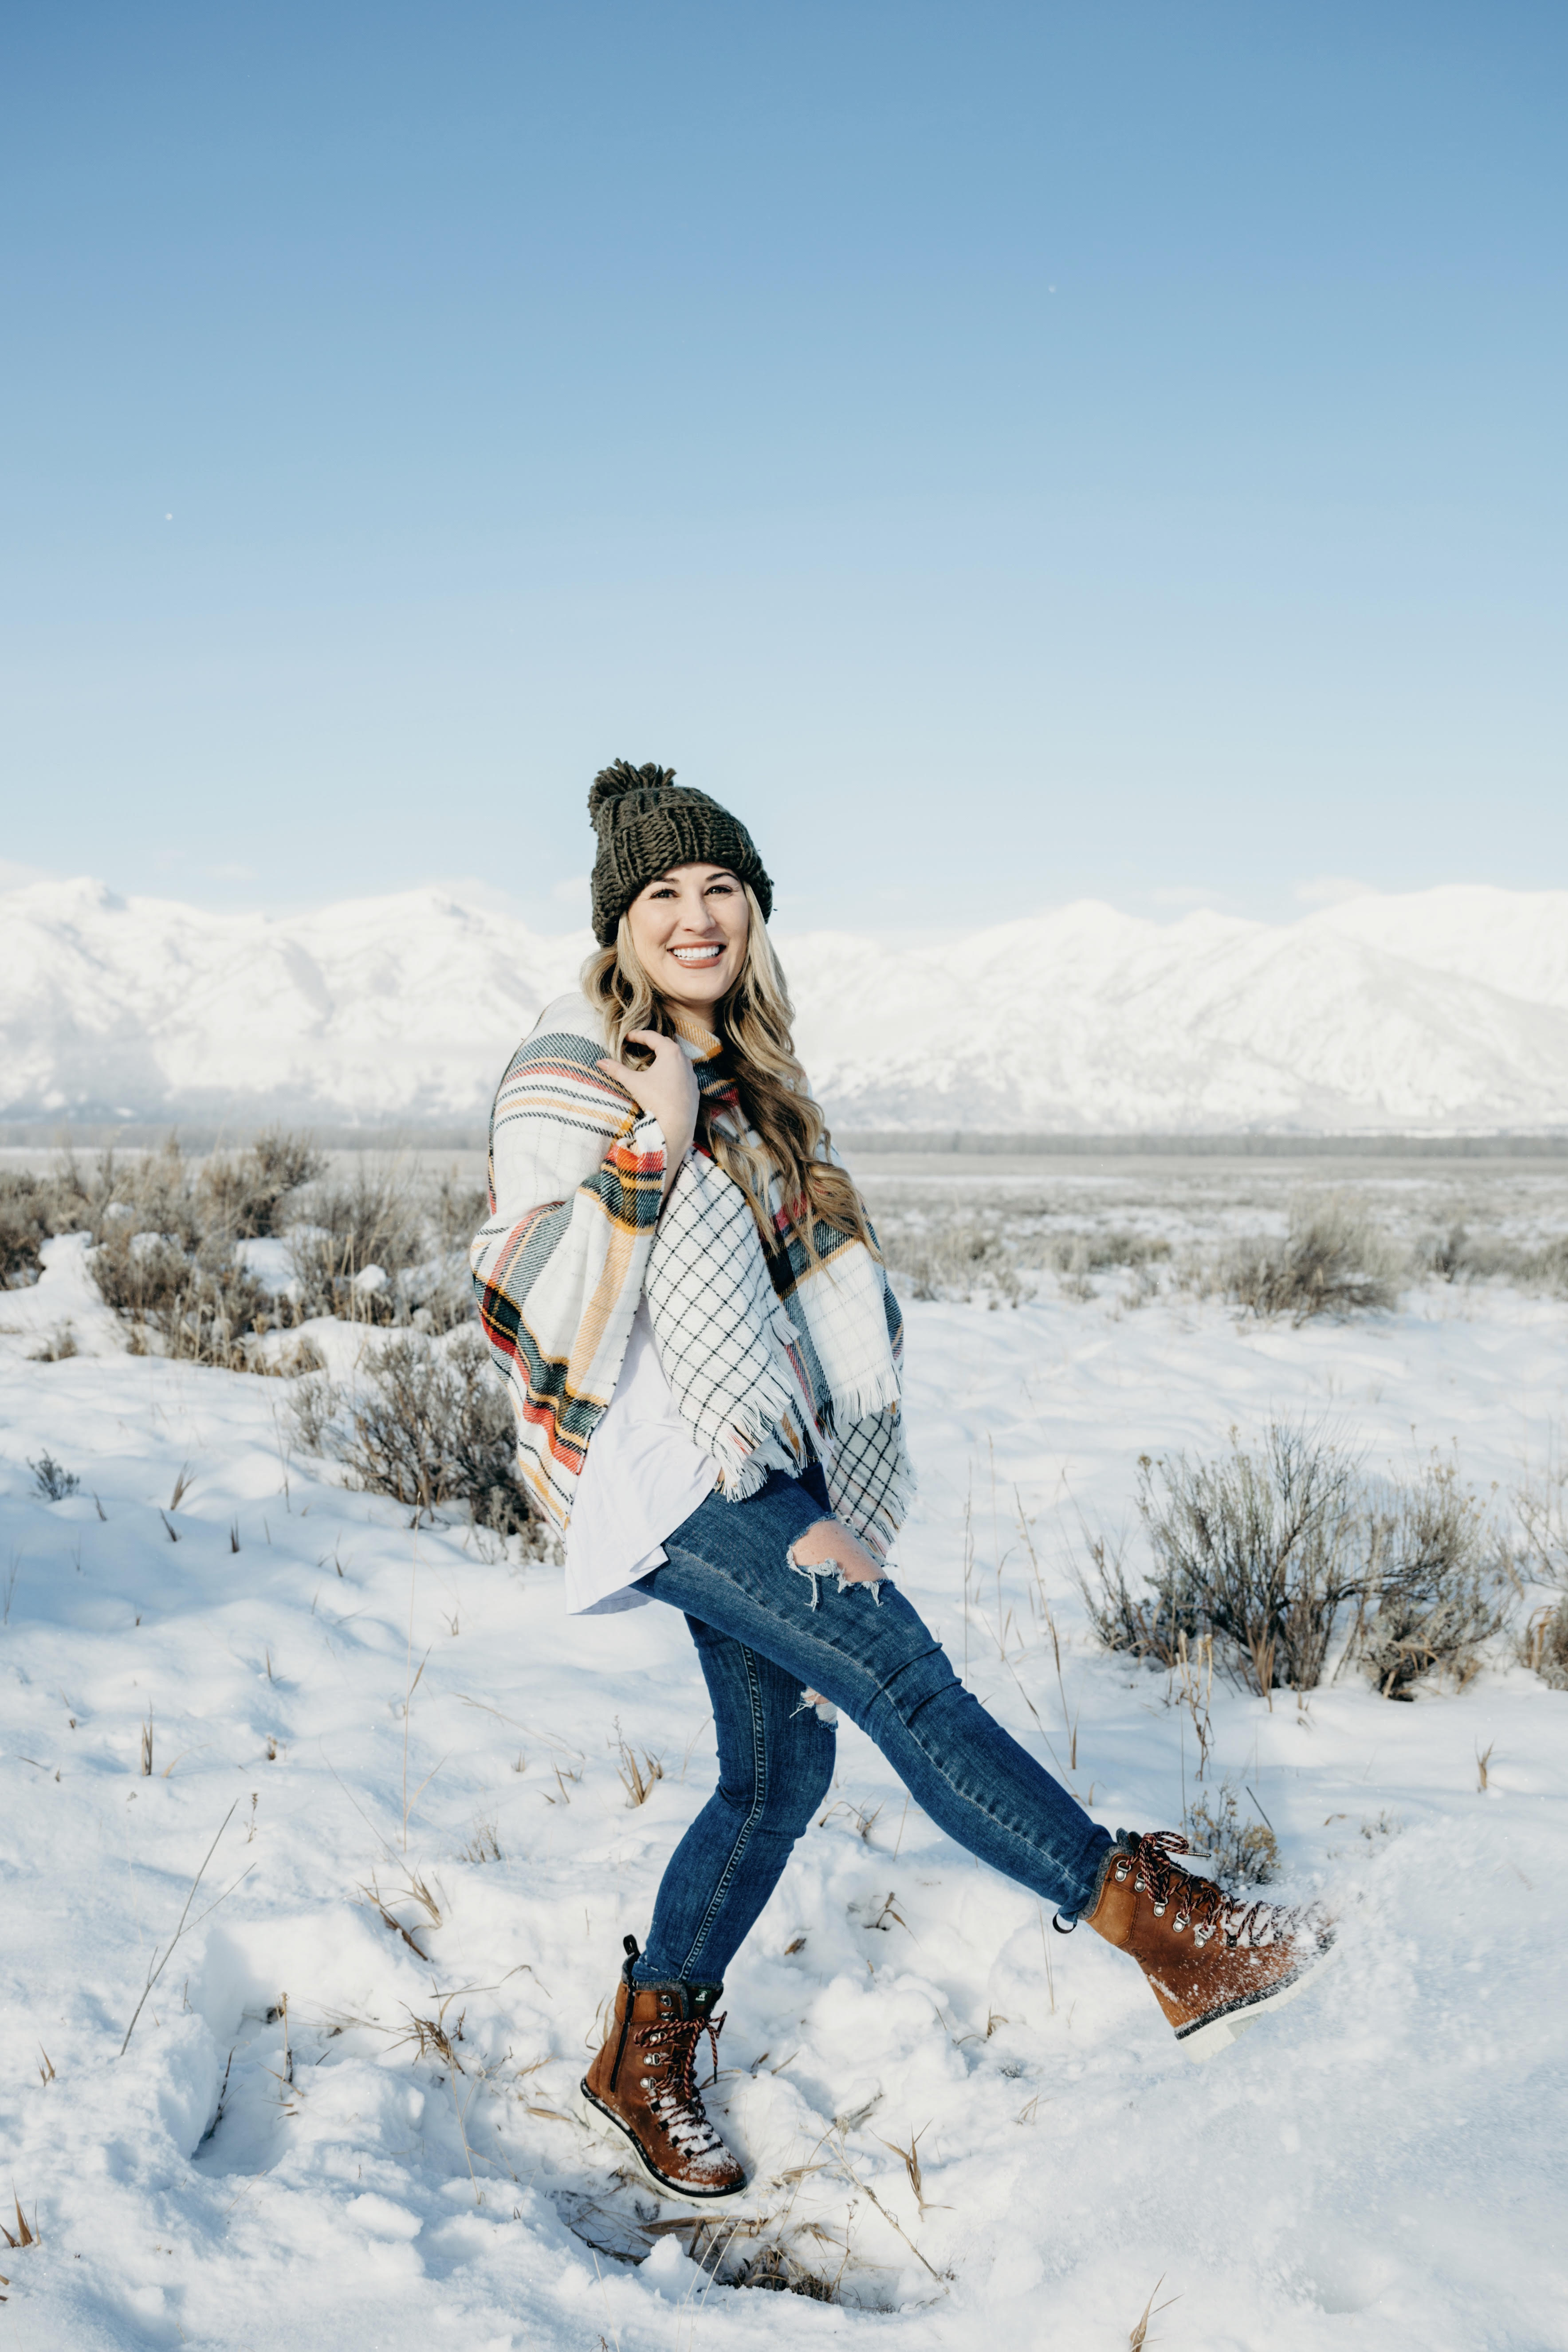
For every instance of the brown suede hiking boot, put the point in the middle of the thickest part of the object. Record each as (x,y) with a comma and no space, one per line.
(644,2082)
(1214,1965)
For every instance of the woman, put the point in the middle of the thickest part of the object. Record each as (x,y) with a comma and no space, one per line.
(680,1281)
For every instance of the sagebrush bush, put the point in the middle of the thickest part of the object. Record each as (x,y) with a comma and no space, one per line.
(1123,1619)
(167,1233)
(1411,1633)
(1241,1853)
(429,1425)
(1456,1254)
(27,1222)
(1269,1550)
(1542,1505)
(168,1237)
(55,1482)
(241,1194)
(1258,1549)
(375,1248)
(955,1249)
(953,1257)
(1334,1260)
(351,1229)
(1545,1647)
(1432,1575)
(198,1301)
(457,1212)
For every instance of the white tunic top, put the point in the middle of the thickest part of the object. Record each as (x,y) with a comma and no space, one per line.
(642,1478)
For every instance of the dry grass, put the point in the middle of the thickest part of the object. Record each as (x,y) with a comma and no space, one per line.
(59,1345)
(432,2036)
(27,2235)
(161,1957)
(758,2251)
(776,2272)
(865,1818)
(909,2158)
(414,1892)
(1137,2336)
(637,1780)
(379,1247)
(290,1362)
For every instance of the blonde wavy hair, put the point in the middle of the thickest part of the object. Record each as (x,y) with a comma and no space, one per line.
(754,1020)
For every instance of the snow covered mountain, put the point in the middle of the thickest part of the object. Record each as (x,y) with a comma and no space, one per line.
(1436,1010)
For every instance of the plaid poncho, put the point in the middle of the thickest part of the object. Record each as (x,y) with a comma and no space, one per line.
(769,1358)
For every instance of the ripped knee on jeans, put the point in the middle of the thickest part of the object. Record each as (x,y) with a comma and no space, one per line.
(823,1709)
(833,1552)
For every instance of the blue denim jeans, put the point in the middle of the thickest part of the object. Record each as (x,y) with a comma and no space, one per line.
(766,1632)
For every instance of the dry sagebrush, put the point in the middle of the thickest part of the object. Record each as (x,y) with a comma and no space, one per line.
(427,1423)
(1270,1550)
(1332,1260)
(937,1246)
(168,1234)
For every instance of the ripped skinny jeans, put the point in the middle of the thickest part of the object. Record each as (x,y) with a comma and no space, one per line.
(765,1632)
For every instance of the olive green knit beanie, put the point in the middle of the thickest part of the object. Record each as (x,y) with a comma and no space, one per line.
(648,822)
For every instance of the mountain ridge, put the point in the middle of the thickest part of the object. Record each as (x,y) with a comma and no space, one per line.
(1428,1012)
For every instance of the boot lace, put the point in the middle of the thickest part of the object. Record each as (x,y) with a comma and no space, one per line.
(673,2095)
(1199,1903)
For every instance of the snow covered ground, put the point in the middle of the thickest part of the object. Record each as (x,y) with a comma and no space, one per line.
(414,1755)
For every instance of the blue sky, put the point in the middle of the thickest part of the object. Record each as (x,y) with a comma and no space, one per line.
(1010,452)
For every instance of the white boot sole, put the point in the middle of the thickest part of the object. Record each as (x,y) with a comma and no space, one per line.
(605,2126)
(1205,2042)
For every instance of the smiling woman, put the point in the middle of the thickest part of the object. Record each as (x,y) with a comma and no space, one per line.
(679,1283)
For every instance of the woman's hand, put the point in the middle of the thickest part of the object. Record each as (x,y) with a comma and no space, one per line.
(666,1090)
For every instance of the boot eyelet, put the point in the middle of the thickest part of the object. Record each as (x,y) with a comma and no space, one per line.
(1177,1926)
(1159,1910)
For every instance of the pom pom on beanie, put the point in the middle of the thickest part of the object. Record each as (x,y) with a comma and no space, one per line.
(646,823)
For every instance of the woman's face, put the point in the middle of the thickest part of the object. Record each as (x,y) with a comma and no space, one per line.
(689,928)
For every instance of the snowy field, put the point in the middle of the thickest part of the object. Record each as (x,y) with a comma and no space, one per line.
(344,2114)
